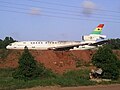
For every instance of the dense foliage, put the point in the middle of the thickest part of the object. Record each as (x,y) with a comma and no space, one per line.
(28,68)
(5,42)
(70,78)
(114,43)
(105,59)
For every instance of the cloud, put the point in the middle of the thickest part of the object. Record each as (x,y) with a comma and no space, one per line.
(88,7)
(35,11)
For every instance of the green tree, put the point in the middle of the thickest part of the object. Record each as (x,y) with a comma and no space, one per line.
(1,43)
(28,68)
(7,41)
(108,61)
(114,43)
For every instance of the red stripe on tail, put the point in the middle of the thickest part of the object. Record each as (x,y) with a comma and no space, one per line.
(100,26)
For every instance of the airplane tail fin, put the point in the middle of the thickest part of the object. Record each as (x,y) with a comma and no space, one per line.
(98,29)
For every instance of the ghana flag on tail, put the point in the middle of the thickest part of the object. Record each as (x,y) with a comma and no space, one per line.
(98,29)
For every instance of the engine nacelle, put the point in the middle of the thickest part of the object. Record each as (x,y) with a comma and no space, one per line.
(93,37)
(102,36)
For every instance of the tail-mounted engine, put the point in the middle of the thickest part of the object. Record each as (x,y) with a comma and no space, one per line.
(93,37)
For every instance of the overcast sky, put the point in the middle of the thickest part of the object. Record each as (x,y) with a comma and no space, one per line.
(58,19)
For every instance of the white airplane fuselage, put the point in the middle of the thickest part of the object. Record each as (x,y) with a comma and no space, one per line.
(89,42)
(42,45)
(46,45)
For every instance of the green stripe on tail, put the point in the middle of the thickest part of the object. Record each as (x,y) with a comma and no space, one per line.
(98,29)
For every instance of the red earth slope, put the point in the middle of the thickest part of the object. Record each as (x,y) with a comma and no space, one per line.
(58,61)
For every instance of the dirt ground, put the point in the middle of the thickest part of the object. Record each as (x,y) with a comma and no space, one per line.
(58,61)
(100,87)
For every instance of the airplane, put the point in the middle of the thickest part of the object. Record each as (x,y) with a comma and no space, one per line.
(89,42)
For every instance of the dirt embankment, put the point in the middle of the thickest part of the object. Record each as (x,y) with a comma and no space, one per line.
(58,61)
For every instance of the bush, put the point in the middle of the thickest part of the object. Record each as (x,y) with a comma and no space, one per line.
(28,68)
(105,59)
(110,71)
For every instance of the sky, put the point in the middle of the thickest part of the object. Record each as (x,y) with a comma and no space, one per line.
(65,20)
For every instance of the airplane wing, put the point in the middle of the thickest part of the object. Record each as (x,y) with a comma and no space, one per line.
(98,43)
(67,47)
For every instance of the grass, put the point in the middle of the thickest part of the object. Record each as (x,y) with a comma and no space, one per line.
(71,78)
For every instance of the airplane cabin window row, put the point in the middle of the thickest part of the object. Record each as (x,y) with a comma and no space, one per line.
(45,42)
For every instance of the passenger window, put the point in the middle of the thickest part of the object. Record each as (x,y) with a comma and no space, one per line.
(33,42)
